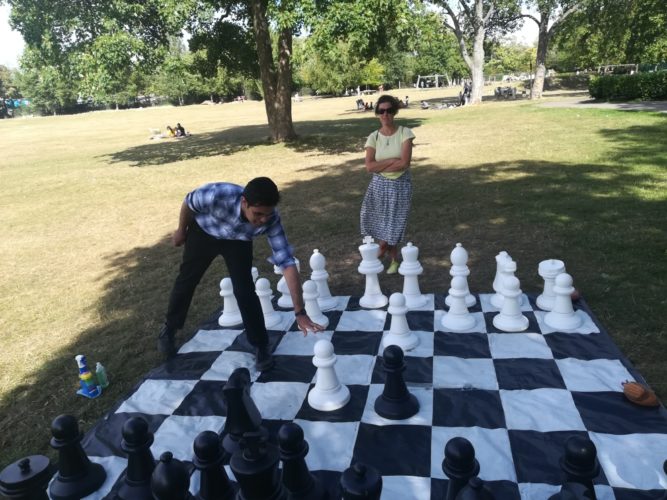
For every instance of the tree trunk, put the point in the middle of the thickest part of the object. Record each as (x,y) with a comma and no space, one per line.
(477,67)
(276,82)
(541,59)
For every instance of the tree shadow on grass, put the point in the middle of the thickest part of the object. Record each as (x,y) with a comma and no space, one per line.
(328,137)
(590,215)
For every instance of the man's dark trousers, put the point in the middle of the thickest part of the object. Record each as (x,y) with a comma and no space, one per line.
(200,250)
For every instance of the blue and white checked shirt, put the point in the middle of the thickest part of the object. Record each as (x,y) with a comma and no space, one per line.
(217,210)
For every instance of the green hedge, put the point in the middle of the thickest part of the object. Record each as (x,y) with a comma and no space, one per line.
(644,86)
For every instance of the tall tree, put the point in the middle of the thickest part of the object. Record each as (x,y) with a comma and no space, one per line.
(550,16)
(472,21)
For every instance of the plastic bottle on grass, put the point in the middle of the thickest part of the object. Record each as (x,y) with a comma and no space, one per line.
(101,374)
(89,387)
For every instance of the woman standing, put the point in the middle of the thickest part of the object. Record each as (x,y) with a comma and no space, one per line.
(386,206)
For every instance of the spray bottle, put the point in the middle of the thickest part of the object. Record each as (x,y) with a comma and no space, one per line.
(89,387)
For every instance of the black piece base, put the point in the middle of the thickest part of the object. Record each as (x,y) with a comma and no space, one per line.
(139,491)
(396,410)
(75,490)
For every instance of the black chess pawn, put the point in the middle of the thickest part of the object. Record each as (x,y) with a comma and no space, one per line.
(475,490)
(459,465)
(136,442)
(396,402)
(255,466)
(361,482)
(580,463)
(77,476)
(242,414)
(26,479)
(170,479)
(209,456)
(297,479)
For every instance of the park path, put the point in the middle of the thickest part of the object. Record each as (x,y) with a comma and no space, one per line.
(583,100)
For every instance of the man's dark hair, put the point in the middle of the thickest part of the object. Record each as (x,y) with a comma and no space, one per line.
(261,192)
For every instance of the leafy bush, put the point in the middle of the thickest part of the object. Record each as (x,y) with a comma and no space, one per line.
(644,86)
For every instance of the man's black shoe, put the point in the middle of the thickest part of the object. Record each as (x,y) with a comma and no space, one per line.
(263,358)
(165,342)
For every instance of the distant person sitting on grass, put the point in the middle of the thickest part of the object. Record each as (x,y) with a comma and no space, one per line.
(180,131)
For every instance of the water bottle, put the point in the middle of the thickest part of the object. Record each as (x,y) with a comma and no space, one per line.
(101,374)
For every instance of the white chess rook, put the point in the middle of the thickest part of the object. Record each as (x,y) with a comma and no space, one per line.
(310,296)
(328,394)
(321,277)
(399,330)
(230,309)
(506,270)
(510,318)
(548,270)
(458,318)
(263,291)
(563,316)
(370,266)
(410,269)
(459,260)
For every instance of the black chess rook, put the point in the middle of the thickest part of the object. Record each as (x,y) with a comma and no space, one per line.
(361,482)
(170,479)
(242,413)
(77,476)
(396,402)
(459,465)
(297,479)
(136,442)
(26,479)
(208,459)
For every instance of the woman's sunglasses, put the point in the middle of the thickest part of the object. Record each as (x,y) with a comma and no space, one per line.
(379,111)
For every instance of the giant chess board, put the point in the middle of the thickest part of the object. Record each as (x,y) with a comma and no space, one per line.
(517,397)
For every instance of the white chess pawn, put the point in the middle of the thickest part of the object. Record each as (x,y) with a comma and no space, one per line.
(510,318)
(497,298)
(410,269)
(399,331)
(370,266)
(459,260)
(506,269)
(562,316)
(328,394)
(320,276)
(548,270)
(230,309)
(312,305)
(458,318)
(263,291)
(285,299)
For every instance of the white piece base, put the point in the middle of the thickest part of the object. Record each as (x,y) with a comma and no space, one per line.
(271,320)
(457,322)
(329,400)
(559,321)
(373,301)
(510,323)
(321,320)
(227,319)
(286,302)
(470,300)
(415,301)
(406,342)
(327,303)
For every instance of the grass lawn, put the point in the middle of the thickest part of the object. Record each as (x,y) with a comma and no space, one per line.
(88,204)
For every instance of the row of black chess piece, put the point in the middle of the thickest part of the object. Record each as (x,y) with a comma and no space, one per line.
(255,465)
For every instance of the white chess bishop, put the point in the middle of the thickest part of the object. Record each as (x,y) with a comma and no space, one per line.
(263,291)
(370,266)
(399,332)
(459,260)
(321,277)
(510,318)
(548,270)
(230,309)
(458,318)
(285,299)
(328,394)
(563,316)
(410,269)
(311,303)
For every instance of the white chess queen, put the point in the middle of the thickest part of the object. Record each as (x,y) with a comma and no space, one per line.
(386,205)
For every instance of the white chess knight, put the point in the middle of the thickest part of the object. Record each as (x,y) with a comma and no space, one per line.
(458,318)
(328,394)
(263,291)
(285,299)
(399,331)
(320,276)
(410,269)
(548,270)
(563,316)
(510,318)
(370,266)
(506,269)
(230,308)
(312,306)
(459,260)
